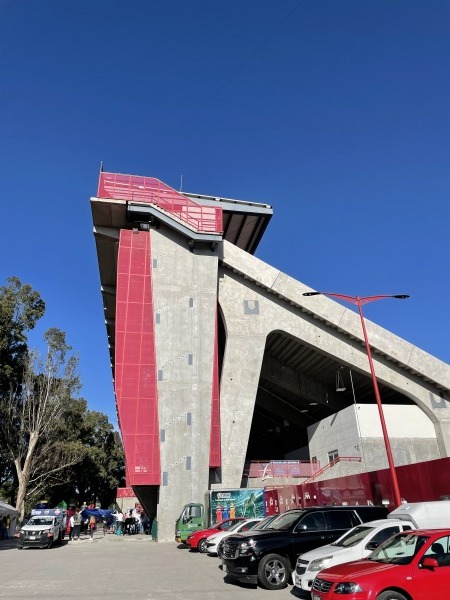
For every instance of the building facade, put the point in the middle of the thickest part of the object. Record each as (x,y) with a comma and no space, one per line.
(217,357)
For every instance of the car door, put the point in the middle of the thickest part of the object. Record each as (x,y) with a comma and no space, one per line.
(338,522)
(432,583)
(310,532)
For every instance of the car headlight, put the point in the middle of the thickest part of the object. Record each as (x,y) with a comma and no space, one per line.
(244,547)
(348,587)
(319,564)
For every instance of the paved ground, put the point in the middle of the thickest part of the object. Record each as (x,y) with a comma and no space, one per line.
(113,568)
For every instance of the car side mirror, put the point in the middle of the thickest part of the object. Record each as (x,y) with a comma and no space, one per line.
(372,546)
(430,563)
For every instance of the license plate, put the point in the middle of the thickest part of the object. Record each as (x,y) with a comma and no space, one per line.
(315,597)
(32,537)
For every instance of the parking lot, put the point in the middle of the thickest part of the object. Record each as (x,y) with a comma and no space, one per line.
(113,567)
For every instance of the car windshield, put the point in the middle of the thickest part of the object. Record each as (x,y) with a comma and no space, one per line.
(286,520)
(351,538)
(40,521)
(265,523)
(235,526)
(399,550)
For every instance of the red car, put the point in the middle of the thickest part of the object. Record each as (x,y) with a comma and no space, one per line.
(412,564)
(197,539)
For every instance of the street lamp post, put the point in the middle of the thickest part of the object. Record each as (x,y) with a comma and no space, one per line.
(359,301)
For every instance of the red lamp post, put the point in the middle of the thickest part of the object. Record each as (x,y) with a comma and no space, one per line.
(359,301)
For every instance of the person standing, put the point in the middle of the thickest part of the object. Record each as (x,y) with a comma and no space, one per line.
(71,526)
(119,522)
(76,525)
(92,526)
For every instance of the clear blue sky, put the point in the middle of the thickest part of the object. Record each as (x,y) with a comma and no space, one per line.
(336,113)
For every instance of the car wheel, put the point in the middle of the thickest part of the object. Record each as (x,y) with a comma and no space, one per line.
(202,547)
(391,595)
(20,547)
(273,572)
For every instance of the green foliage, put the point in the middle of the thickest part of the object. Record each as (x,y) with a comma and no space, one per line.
(51,445)
(97,476)
(20,308)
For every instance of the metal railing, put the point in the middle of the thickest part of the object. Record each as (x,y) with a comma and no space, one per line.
(331,464)
(150,190)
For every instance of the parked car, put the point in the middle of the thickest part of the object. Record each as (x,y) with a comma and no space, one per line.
(263,524)
(268,557)
(213,540)
(412,564)
(197,539)
(357,543)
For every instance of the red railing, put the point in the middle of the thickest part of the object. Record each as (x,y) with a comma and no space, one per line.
(331,464)
(149,190)
(280,468)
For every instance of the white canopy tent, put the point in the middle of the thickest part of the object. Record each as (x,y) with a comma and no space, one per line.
(5,510)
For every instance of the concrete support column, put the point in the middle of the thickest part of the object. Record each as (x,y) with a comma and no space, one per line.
(442,429)
(239,385)
(185,305)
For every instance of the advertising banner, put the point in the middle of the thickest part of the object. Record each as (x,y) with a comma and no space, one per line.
(228,504)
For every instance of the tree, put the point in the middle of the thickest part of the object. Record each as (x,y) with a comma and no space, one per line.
(20,308)
(31,414)
(102,468)
(47,435)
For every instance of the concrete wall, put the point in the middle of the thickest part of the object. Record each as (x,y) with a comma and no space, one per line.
(257,299)
(357,432)
(185,301)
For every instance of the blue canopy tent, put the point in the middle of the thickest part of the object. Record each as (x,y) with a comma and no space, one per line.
(99,513)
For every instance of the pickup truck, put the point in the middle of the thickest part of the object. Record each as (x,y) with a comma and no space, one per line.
(44,527)
(268,557)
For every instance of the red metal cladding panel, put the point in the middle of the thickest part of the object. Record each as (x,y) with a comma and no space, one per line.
(149,190)
(418,482)
(135,362)
(214,444)
(125,493)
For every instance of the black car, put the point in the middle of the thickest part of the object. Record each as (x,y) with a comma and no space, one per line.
(268,557)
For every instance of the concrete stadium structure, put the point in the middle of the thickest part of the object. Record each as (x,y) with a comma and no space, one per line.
(218,358)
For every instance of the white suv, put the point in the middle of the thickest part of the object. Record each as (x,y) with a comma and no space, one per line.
(357,543)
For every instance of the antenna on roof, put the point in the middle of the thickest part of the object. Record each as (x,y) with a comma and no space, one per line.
(101,166)
(181,183)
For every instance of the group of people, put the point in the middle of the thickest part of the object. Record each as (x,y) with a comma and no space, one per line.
(132,522)
(78,525)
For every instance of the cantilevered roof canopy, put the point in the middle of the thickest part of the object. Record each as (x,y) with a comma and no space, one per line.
(244,223)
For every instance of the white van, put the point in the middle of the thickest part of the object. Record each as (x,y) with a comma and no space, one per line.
(424,515)
(360,541)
